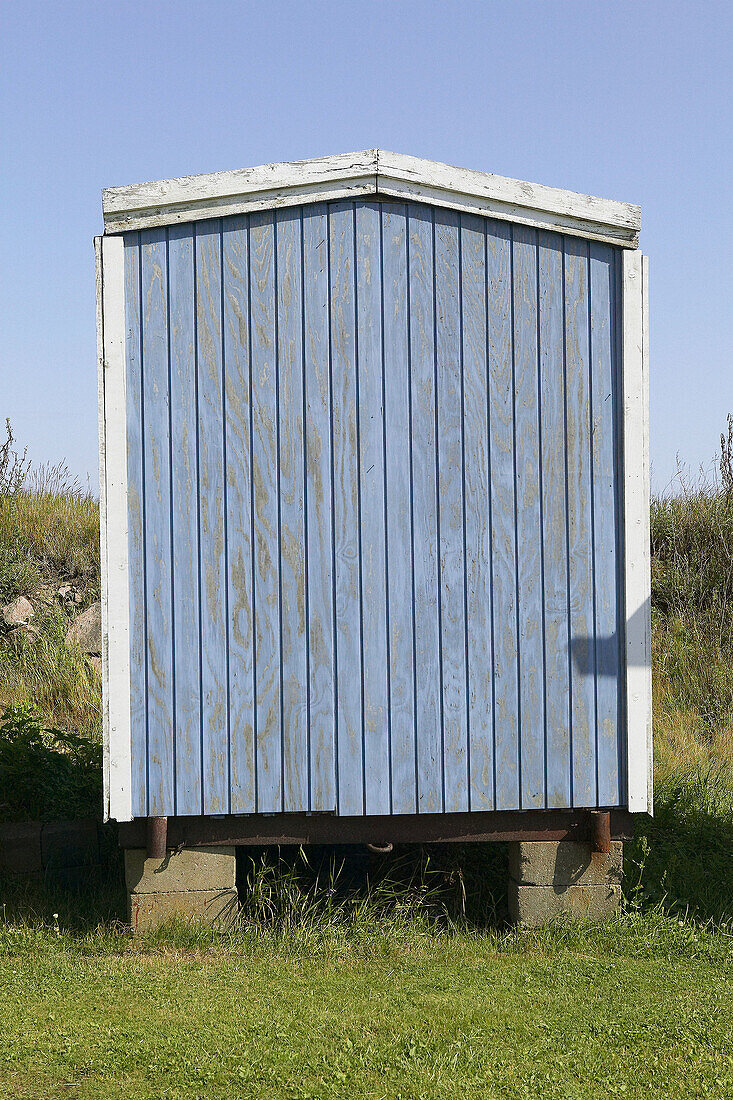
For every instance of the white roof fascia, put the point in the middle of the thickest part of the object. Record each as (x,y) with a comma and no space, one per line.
(372,172)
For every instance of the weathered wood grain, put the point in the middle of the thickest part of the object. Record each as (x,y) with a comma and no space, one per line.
(240,557)
(320,604)
(580,547)
(530,557)
(292,511)
(554,517)
(185,510)
(479,629)
(449,392)
(377,765)
(156,466)
(116,684)
(136,529)
(212,523)
(603,445)
(367,173)
(429,700)
(266,542)
(346,511)
(503,518)
(398,425)
(373,511)
(635,337)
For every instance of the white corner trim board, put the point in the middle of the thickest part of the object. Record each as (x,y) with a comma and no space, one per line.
(371,172)
(101,426)
(113,523)
(636,532)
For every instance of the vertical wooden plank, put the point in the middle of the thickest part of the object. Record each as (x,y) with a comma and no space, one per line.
(237,383)
(118,268)
(266,544)
(603,404)
(212,527)
(397,406)
(292,512)
(186,649)
(450,492)
(346,510)
(503,532)
(319,516)
(136,528)
(372,517)
(580,550)
(156,466)
(478,513)
(425,507)
(554,515)
(635,337)
(529,520)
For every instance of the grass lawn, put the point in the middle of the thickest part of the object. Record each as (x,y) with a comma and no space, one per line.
(644,1007)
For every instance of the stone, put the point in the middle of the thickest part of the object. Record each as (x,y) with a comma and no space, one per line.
(69,593)
(20,635)
(550,879)
(20,848)
(17,613)
(207,868)
(149,911)
(533,906)
(564,863)
(86,630)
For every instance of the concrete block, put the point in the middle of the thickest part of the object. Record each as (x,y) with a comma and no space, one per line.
(67,844)
(149,911)
(564,863)
(532,906)
(20,848)
(211,869)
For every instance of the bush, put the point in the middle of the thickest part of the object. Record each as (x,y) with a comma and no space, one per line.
(46,774)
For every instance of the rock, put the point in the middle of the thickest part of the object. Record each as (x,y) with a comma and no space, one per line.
(17,613)
(69,593)
(86,630)
(19,635)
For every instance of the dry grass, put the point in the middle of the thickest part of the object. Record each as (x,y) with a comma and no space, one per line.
(49,534)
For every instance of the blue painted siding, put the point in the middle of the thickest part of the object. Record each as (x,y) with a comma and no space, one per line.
(373,513)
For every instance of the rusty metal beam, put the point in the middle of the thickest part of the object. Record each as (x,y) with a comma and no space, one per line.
(304,829)
(600,831)
(156,836)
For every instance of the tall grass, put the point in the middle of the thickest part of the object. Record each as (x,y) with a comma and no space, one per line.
(49,534)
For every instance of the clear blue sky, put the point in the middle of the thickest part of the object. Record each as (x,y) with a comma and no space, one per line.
(625,100)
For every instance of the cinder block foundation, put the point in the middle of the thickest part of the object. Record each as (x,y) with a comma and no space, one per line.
(194,884)
(549,879)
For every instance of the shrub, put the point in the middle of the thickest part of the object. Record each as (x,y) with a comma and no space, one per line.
(46,774)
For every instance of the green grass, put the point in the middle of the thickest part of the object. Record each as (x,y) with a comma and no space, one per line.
(640,1008)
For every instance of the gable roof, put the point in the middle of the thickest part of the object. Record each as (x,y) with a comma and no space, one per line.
(371,173)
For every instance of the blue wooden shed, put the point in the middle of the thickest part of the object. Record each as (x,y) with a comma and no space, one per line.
(374,488)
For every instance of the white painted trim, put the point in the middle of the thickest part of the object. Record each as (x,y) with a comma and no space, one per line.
(101,427)
(649,692)
(637,577)
(114,520)
(370,172)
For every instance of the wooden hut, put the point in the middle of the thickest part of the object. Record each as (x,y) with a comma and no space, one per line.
(374,484)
